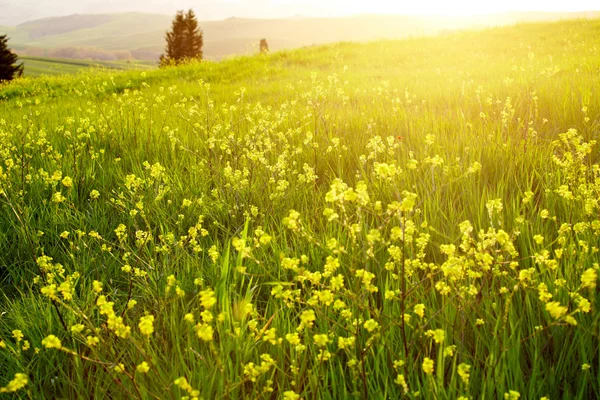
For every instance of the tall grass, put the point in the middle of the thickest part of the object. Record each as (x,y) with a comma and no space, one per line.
(415,218)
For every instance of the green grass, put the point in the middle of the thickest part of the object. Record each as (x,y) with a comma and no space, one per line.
(38,66)
(325,192)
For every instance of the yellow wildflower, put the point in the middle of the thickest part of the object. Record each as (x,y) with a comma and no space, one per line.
(67,182)
(205,332)
(420,310)
(464,371)
(147,325)
(512,395)
(308,317)
(439,335)
(97,286)
(401,381)
(51,342)
(120,368)
(19,382)
(143,368)
(18,335)
(345,343)
(189,318)
(589,278)
(555,309)
(293,338)
(428,365)
(321,340)
(290,395)
(371,325)
(207,298)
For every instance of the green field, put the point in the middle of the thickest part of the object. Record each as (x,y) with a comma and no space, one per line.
(37,66)
(399,219)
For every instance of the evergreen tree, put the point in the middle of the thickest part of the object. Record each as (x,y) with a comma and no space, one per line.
(194,41)
(176,41)
(8,67)
(184,41)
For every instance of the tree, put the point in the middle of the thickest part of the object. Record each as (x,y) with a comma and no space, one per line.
(184,41)
(174,51)
(264,46)
(194,38)
(8,67)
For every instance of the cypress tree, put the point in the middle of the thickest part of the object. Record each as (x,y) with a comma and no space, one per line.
(194,37)
(8,67)
(184,41)
(176,41)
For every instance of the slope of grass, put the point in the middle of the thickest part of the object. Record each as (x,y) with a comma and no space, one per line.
(142,34)
(38,66)
(413,218)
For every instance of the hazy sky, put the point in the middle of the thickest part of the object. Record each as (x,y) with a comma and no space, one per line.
(456,7)
(17,11)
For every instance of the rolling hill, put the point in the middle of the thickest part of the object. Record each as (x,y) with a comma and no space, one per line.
(411,219)
(141,35)
(38,66)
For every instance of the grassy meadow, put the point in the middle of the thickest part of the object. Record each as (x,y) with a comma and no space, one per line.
(38,66)
(397,219)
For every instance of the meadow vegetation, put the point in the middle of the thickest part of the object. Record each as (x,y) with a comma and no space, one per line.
(414,218)
(38,66)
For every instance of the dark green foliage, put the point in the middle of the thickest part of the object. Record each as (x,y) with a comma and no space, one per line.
(194,39)
(184,41)
(8,67)
(174,50)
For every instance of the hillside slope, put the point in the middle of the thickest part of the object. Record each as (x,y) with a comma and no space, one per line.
(141,36)
(38,66)
(401,219)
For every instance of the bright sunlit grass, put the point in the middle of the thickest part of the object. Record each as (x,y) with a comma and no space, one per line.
(413,219)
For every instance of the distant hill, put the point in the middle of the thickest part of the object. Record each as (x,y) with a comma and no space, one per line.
(141,36)
(14,12)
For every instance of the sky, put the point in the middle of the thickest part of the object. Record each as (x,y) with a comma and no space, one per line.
(16,11)
(443,7)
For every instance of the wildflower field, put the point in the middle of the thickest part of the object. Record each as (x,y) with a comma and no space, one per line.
(398,219)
